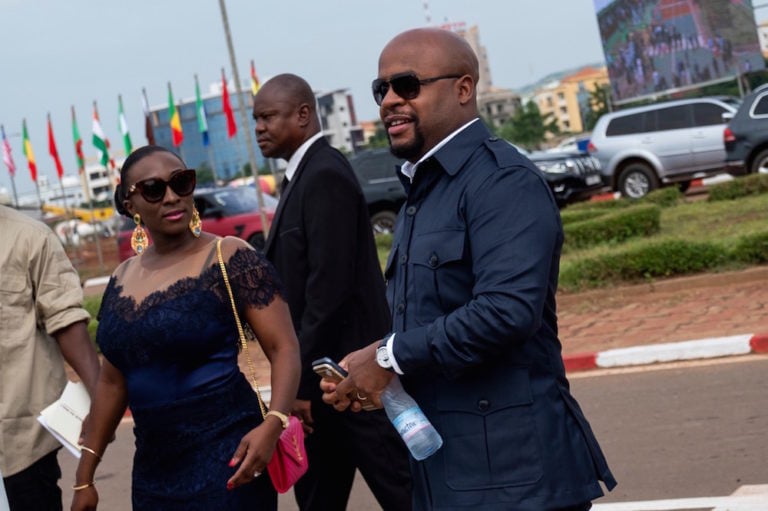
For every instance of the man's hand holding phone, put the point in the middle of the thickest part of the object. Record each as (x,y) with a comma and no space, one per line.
(333,373)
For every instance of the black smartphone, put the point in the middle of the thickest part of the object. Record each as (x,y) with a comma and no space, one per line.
(329,369)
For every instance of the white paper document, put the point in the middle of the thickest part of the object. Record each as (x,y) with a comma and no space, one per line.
(64,417)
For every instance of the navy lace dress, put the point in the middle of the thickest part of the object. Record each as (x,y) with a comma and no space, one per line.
(191,405)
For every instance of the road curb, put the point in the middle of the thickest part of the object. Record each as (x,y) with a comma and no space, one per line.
(713,347)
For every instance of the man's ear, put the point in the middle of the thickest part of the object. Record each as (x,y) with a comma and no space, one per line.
(304,113)
(466,89)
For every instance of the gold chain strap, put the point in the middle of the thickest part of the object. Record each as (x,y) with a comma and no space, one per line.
(243,343)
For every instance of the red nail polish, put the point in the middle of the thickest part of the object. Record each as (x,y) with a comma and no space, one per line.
(230,486)
(232,463)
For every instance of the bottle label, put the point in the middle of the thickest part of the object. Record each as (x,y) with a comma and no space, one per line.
(410,422)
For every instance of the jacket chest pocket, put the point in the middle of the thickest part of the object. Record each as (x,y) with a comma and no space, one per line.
(442,276)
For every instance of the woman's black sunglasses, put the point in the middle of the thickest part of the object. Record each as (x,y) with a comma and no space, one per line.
(406,85)
(153,190)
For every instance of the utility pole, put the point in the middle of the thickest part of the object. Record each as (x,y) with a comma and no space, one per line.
(244,120)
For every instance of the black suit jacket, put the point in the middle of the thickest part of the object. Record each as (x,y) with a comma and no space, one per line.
(322,245)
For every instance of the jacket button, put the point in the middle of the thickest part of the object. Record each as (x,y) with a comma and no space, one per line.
(433,261)
(410,210)
(400,307)
(403,259)
(483,405)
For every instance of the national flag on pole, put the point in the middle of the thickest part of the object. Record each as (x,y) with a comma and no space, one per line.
(227,108)
(123,125)
(28,152)
(149,131)
(177,135)
(99,140)
(53,151)
(7,156)
(78,144)
(255,85)
(202,122)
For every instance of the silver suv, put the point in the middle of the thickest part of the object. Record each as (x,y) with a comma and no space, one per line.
(666,143)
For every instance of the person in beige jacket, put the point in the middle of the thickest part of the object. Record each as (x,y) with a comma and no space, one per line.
(42,323)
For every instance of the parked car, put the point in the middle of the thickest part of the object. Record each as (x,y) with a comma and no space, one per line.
(746,136)
(672,142)
(225,211)
(573,176)
(376,169)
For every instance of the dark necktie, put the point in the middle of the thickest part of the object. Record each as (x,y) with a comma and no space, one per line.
(283,185)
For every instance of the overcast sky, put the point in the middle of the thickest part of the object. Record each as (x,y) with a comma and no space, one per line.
(57,53)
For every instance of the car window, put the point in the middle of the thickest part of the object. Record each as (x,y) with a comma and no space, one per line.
(761,106)
(376,166)
(673,118)
(625,125)
(708,114)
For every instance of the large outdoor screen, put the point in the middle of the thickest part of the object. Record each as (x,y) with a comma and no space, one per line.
(655,47)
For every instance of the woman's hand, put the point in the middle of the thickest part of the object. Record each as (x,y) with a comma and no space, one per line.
(254,452)
(85,500)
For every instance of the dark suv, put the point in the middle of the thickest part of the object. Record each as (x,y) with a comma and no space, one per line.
(376,169)
(572,175)
(746,136)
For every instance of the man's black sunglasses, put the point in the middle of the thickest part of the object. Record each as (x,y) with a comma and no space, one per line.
(153,190)
(406,85)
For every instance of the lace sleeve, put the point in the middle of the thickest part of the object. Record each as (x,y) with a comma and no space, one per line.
(253,278)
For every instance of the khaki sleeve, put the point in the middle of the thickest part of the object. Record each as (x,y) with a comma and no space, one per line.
(59,295)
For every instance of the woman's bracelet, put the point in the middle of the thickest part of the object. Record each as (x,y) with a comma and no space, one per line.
(88,449)
(82,486)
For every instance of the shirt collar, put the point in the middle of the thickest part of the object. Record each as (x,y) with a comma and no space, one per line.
(298,155)
(409,169)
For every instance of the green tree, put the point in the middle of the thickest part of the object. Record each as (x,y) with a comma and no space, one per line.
(204,174)
(599,104)
(528,128)
(378,139)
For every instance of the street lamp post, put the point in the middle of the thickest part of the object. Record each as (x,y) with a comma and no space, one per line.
(244,119)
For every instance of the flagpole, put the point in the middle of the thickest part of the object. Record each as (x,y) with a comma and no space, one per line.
(244,119)
(15,197)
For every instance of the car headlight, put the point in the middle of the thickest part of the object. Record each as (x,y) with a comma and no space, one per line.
(556,167)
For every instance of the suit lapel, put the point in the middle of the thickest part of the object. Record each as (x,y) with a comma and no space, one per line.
(292,184)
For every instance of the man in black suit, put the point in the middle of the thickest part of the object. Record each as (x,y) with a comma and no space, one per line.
(321,243)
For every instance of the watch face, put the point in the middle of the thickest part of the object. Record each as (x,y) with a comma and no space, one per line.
(382,357)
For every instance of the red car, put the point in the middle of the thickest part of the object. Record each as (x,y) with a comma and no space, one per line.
(225,212)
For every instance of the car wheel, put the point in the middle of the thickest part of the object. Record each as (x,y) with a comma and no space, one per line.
(257,240)
(637,180)
(760,163)
(383,222)
(683,186)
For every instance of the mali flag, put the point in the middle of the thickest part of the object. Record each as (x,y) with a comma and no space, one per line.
(28,152)
(177,134)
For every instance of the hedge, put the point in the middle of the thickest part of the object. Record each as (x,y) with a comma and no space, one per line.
(614,227)
(753,184)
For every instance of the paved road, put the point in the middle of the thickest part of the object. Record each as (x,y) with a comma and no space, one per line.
(684,430)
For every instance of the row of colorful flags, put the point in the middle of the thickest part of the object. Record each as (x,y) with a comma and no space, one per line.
(100,141)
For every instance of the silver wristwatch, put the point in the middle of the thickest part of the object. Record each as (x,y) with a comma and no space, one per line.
(382,355)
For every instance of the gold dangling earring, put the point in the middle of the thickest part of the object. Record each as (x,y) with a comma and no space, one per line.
(139,241)
(195,225)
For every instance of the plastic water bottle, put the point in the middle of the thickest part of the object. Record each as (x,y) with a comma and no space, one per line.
(417,432)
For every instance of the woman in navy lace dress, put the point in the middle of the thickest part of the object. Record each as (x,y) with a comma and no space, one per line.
(170,342)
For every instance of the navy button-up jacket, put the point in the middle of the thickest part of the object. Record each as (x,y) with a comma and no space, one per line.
(471,282)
